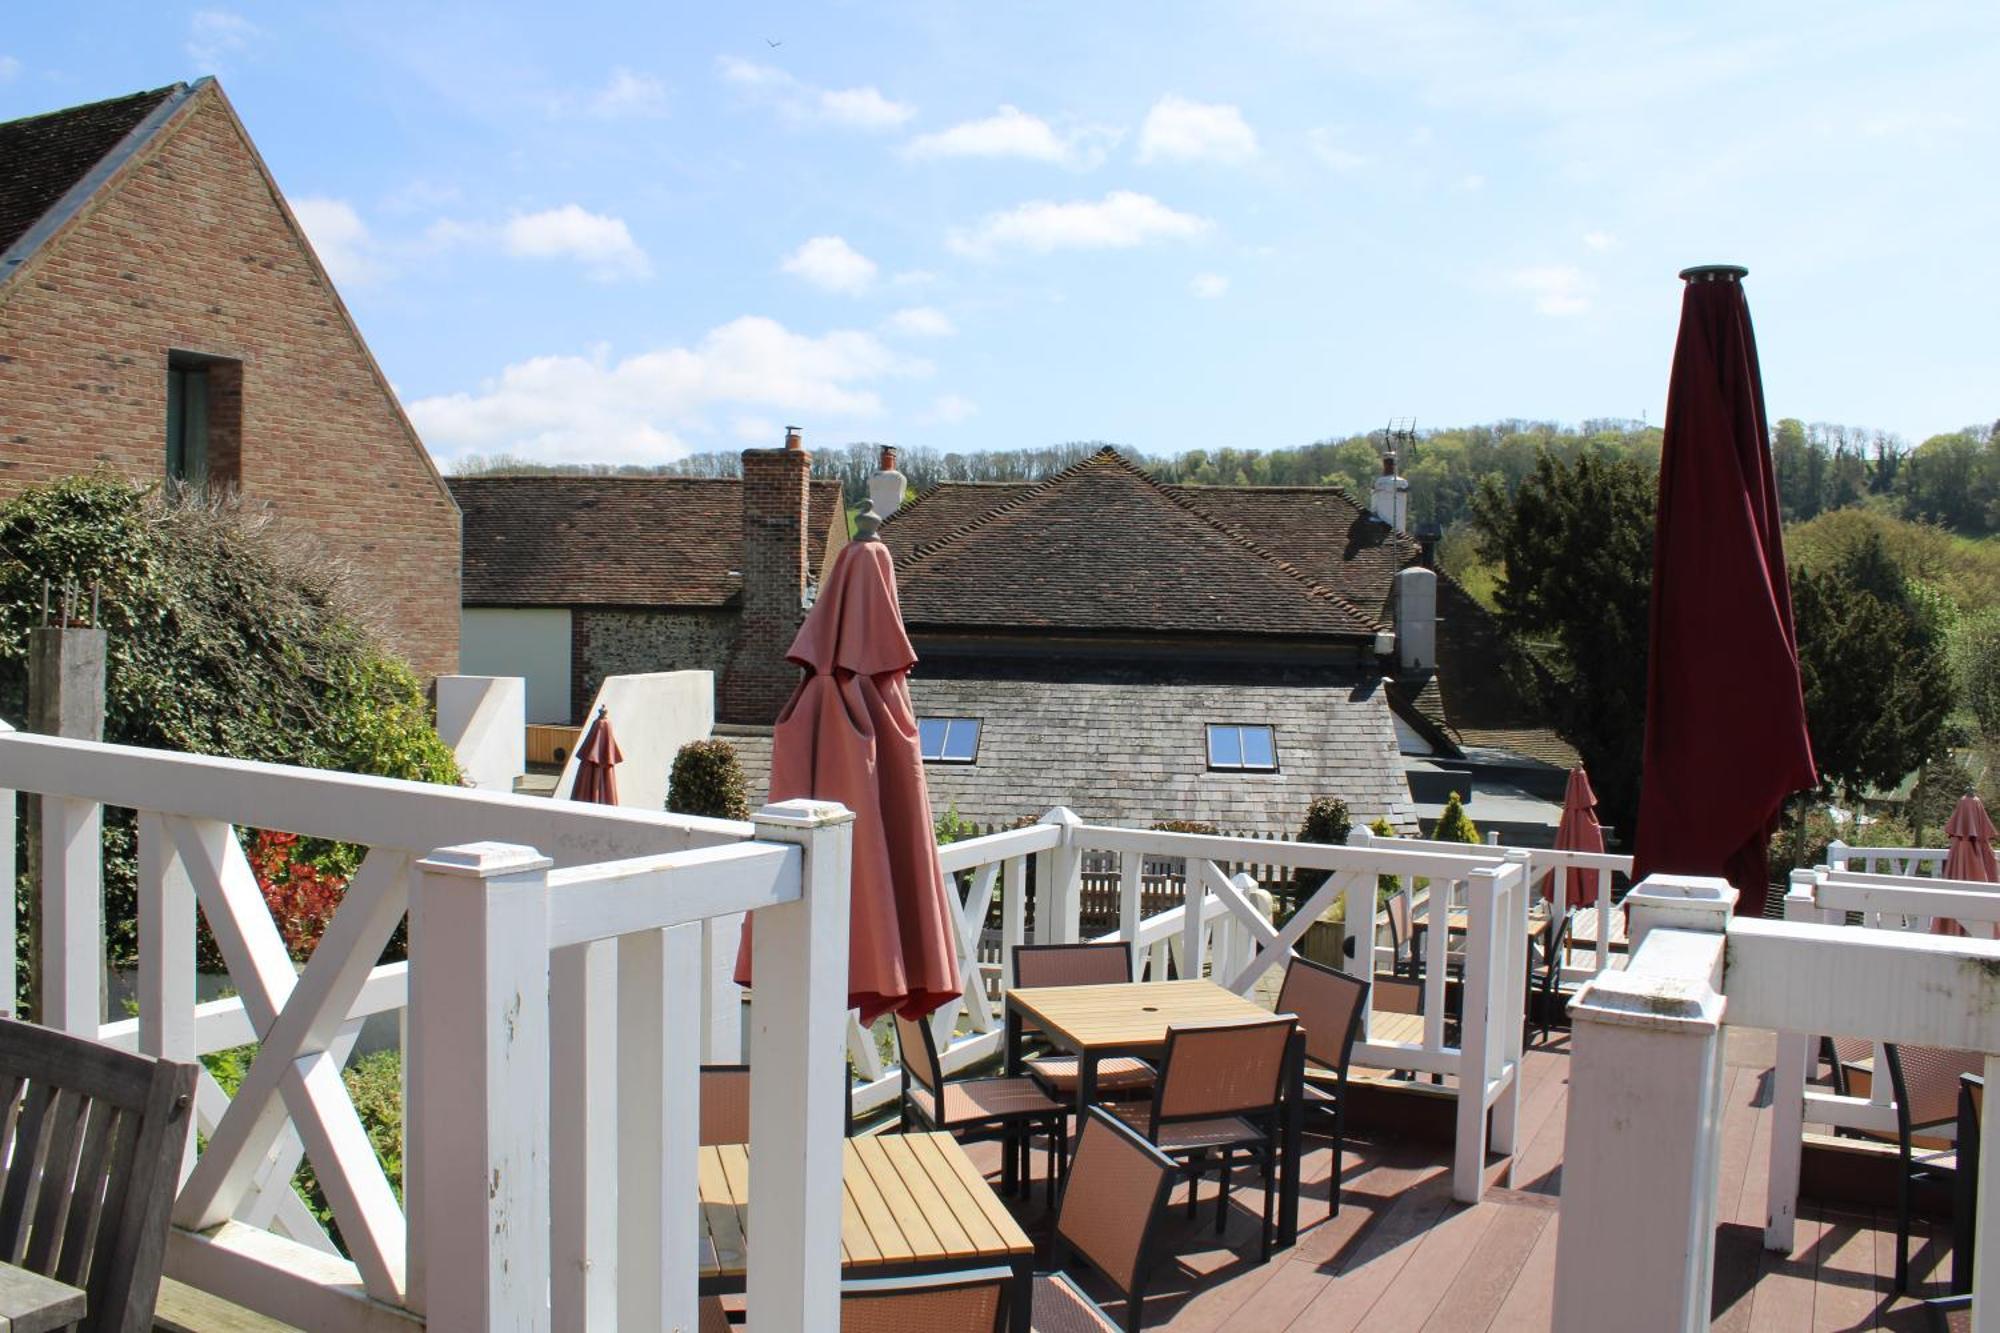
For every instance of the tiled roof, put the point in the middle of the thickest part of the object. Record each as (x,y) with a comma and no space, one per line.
(42,157)
(1102,547)
(1477,696)
(1320,529)
(1134,751)
(613,541)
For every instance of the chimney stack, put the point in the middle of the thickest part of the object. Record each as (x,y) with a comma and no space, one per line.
(1392,496)
(887,487)
(775,565)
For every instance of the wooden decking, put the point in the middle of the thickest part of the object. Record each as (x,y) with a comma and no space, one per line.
(1403,1256)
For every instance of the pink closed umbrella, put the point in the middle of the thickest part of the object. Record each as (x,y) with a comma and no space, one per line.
(1969,854)
(1578,832)
(597,760)
(849,735)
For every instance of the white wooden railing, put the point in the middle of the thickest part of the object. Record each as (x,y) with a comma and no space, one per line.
(555,950)
(1643,1140)
(1886,860)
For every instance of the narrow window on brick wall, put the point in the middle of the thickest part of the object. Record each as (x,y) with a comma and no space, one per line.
(948,740)
(204,419)
(1242,749)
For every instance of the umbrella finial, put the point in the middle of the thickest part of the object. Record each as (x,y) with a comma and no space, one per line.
(1715,273)
(867,522)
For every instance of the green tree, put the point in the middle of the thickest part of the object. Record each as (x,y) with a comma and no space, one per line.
(1976,661)
(1454,825)
(1574,546)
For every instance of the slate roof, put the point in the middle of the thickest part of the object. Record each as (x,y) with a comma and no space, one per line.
(1102,547)
(614,541)
(43,157)
(1134,751)
(1473,692)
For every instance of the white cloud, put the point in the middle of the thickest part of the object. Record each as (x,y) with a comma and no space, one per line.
(9,67)
(1600,240)
(1327,145)
(1209,286)
(215,36)
(604,245)
(1557,289)
(1119,221)
(1012,132)
(947,409)
(1183,130)
(754,430)
(341,240)
(862,108)
(832,265)
(629,94)
(921,321)
(639,408)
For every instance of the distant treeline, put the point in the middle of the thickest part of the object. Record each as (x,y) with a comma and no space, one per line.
(1952,480)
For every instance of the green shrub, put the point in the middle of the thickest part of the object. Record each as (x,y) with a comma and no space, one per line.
(228,635)
(1454,825)
(952,827)
(1186,826)
(1386,886)
(1328,822)
(708,780)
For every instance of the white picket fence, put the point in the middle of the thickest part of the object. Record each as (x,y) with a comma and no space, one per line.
(1643,1138)
(555,950)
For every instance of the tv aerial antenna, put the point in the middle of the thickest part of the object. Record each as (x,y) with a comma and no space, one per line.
(1399,436)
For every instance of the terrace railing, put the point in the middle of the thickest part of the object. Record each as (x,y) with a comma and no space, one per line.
(1643,1141)
(554,950)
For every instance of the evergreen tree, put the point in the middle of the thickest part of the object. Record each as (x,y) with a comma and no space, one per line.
(1454,825)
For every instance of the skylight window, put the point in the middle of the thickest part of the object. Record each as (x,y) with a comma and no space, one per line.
(1242,749)
(948,740)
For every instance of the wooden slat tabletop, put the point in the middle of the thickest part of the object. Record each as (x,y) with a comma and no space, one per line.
(1583,929)
(1405,1028)
(31,1303)
(1132,1016)
(906,1199)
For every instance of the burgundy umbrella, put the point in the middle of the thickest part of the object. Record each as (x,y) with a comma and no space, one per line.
(597,758)
(1969,855)
(1578,832)
(849,735)
(1726,739)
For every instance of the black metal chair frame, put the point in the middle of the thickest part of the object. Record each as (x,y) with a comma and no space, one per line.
(1150,1248)
(1908,1172)
(1336,1108)
(1547,984)
(1015,1131)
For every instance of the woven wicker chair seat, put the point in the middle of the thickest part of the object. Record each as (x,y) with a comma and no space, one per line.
(1118,1074)
(1061,1308)
(1179,1136)
(984,1099)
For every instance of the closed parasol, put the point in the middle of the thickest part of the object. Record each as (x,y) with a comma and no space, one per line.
(597,760)
(1969,856)
(1578,832)
(1726,740)
(849,735)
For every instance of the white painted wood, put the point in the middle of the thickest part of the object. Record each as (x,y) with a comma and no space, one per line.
(1013,916)
(1986,1254)
(969,853)
(721,997)
(480,1012)
(658,1104)
(1194,926)
(583,1136)
(166,1022)
(1057,914)
(797,1081)
(1879,984)
(1129,867)
(378,812)
(1636,1231)
(282,1279)
(597,902)
(9,908)
(72,911)
(224,1023)
(1468,1177)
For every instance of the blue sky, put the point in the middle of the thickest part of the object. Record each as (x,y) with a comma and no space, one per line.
(623,232)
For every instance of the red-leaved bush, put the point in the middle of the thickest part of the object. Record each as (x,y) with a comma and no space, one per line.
(302,897)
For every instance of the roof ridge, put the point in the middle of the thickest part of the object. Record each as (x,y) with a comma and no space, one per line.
(160,91)
(1109,456)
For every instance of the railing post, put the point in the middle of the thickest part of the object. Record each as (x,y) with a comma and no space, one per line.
(1788,1097)
(1636,1233)
(1056,915)
(479,1081)
(798,1023)
(10,920)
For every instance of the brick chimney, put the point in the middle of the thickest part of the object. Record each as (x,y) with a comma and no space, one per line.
(775,561)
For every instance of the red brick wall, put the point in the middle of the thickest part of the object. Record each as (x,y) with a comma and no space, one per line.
(188,250)
(759,679)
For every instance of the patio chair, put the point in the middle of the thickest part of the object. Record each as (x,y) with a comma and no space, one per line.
(1965,1185)
(1330,1004)
(1110,1217)
(1406,934)
(88,1166)
(1925,1081)
(1079,965)
(1220,1090)
(974,1300)
(1545,988)
(1009,1109)
(725,1104)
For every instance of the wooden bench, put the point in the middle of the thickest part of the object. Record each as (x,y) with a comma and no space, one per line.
(185,1309)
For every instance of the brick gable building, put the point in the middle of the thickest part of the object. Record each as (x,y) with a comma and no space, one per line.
(162,315)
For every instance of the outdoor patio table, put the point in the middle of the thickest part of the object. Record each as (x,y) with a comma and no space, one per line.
(911,1203)
(1094,1023)
(31,1303)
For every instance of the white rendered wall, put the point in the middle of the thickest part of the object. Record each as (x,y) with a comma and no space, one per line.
(530,642)
(652,716)
(483,719)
